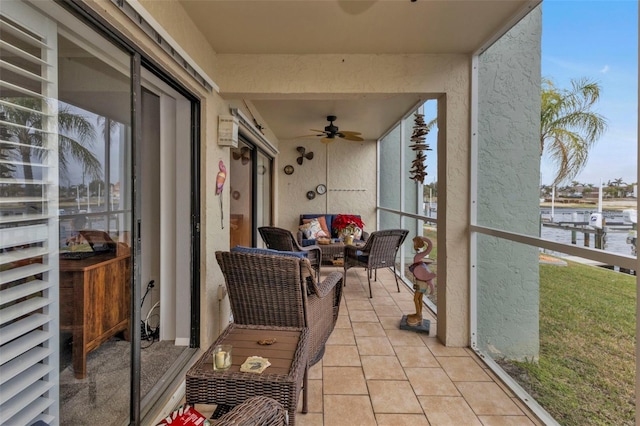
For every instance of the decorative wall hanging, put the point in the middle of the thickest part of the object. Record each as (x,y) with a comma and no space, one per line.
(220,178)
(420,131)
(243,154)
(308,155)
(288,169)
(321,189)
(311,195)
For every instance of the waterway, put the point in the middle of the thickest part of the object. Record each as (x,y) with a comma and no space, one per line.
(616,242)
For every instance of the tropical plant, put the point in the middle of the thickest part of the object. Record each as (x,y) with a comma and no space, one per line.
(616,182)
(75,136)
(618,186)
(569,127)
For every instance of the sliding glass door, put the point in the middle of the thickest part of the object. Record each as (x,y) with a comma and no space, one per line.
(72,255)
(251,193)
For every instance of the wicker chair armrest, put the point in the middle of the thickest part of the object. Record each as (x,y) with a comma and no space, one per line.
(299,237)
(321,289)
(326,286)
(255,411)
(317,251)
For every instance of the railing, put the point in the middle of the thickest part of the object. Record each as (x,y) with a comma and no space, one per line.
(428,227)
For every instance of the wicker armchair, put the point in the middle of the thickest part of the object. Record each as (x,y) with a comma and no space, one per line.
(284,240)
(281,291)
(379,251)
(255,411)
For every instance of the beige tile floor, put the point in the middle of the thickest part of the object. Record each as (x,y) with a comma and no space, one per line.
(373,373)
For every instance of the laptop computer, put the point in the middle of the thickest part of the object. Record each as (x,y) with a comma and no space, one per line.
(99,241)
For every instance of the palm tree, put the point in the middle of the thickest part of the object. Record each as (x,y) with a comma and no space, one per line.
(75,137)
(617,184)
(568,126)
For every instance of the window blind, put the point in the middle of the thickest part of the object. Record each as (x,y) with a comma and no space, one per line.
(29,336)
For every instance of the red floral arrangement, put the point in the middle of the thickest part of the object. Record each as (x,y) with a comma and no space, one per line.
(347,223)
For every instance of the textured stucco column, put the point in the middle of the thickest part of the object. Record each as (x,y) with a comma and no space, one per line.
(453,219)
(508,191)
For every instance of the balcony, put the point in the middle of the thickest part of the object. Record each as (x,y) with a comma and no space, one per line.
(374,373)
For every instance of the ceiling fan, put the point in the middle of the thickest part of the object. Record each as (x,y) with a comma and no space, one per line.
(331,132)
(243,153)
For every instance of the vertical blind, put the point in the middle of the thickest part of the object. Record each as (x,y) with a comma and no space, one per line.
(29,342)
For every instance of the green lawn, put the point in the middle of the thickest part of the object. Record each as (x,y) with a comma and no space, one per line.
(586,370)
(585,374)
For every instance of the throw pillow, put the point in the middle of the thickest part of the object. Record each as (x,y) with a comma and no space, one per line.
(323,224)
(312,230)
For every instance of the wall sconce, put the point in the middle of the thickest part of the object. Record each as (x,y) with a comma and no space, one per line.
(228,130)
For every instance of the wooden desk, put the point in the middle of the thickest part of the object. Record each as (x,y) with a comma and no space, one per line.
(281,381)
(94,303)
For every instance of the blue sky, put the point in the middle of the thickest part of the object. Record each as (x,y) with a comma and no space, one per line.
(597,40)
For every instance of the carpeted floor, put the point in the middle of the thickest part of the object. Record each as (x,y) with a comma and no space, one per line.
(103,396)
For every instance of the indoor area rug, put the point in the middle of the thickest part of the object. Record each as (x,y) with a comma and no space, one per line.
(103,396)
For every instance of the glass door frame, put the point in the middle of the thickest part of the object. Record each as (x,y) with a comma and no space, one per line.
(138,61)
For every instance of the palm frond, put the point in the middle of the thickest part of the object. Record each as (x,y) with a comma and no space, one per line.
(569,127)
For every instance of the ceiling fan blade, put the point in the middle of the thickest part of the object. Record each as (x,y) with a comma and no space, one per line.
(354,138)
(327,140)
(319,131)
(349,132)
(245,160)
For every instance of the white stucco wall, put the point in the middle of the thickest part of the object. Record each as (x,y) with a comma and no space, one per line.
(508,177)
(348,169)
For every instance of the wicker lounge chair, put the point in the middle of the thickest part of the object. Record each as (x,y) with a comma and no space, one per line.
(379,251)
(255,411)
(280,290)
(283,240)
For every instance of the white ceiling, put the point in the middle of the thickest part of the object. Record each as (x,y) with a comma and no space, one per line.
(347,27)
(290,119)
